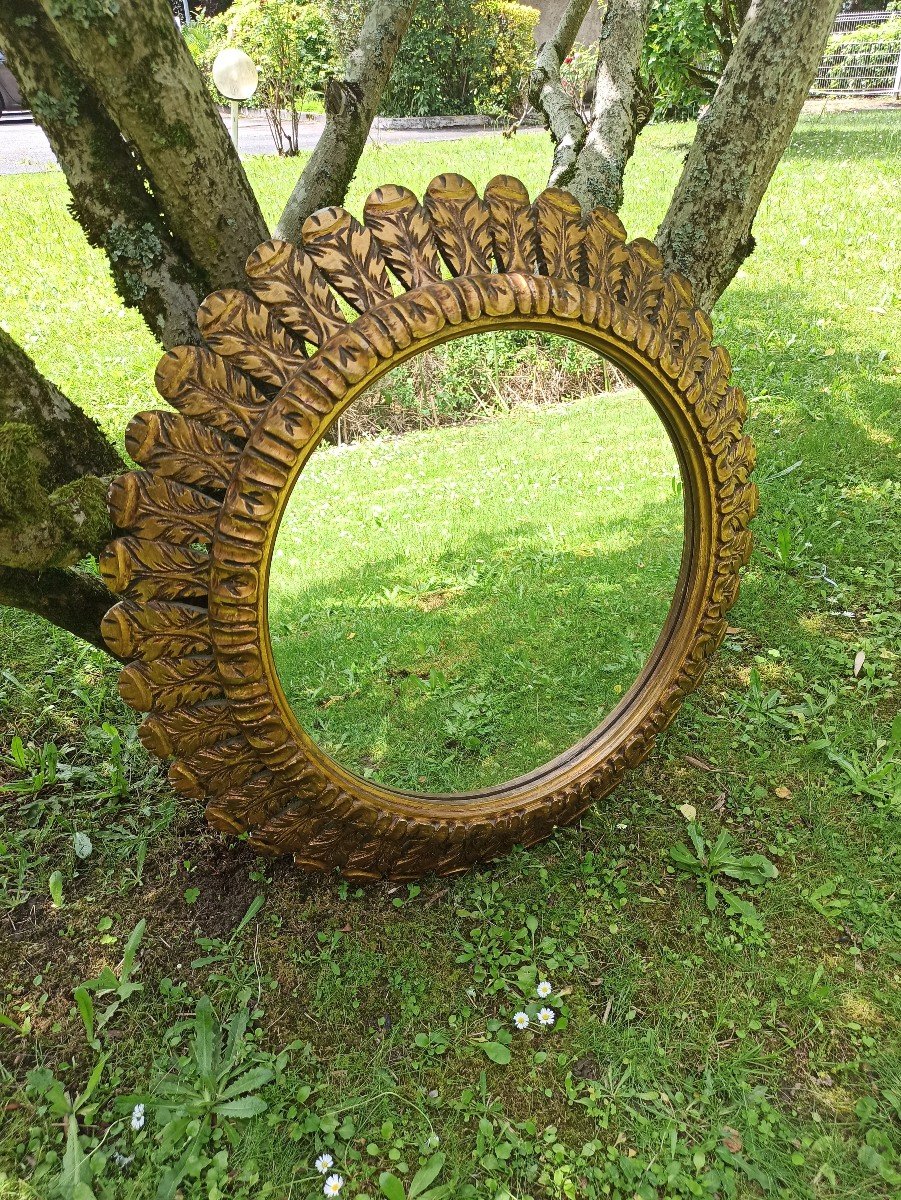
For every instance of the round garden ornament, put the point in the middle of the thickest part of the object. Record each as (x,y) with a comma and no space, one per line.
(281,363)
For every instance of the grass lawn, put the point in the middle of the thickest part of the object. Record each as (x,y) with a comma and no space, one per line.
(714,1036)
(452,608)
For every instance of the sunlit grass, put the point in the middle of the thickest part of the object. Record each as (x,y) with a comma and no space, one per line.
(454,607)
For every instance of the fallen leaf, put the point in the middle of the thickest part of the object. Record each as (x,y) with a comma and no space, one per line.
(859,659)
(732,1139)
(783,793)
(688,811)
(699,763)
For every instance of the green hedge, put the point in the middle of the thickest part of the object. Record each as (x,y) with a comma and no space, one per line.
(463,56)
(850,55)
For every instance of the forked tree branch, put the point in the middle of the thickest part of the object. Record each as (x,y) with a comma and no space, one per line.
(596,174)
(547,94)
(351,103)
(706,232)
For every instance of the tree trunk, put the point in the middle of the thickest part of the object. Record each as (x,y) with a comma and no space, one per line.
(596,175)
(72,600)
(141,70)
(72,444)
(546,93)
(350,106)
(110,199)
(52,503)
(706,232)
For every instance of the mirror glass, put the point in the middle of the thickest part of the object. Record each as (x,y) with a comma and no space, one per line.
(472,572)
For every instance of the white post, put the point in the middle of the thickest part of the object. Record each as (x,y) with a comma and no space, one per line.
(236,104)
(184,4)
(897,87)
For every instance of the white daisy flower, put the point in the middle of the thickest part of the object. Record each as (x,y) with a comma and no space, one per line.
(521,1020)
(333,1185)
(544,989)
(546,1016)
(324,1163)
(137,1117)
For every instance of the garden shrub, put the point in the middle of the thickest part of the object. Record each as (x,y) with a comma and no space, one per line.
(463,56)
(850,57)
(292,45)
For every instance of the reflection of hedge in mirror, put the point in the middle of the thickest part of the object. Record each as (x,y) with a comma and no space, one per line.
(292,45)
(469,379)
(463,56)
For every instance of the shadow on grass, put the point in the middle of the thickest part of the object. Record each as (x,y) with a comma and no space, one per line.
(845,137)
(508,655)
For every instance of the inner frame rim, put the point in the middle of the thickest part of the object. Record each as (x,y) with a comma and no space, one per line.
(560,328)
(642,710)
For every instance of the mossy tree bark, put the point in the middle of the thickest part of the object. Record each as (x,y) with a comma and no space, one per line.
(706,232)
(351,103)
(138,65)
(590,157)
(110,198)
(54,468)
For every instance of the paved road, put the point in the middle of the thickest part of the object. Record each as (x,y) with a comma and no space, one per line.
(24,147)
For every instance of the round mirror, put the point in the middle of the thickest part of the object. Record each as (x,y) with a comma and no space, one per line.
(459,600)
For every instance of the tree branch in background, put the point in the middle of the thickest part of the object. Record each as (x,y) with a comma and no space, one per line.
(351,103)
(138,65)
(110,199)
(72,444)
(596,175)
(53,508)
(73,600)
(706,232)
(547,94)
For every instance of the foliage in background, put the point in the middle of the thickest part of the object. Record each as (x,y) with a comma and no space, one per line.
(682,62)
(463,56)
(686,49)
(851,56)
(292,45)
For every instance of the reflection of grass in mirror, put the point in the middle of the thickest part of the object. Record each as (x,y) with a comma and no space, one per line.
(452,608)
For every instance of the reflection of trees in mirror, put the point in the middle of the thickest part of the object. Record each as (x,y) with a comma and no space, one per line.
(453,608)
(474,377)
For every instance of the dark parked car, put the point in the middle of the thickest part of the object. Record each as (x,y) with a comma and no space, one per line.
(10,96)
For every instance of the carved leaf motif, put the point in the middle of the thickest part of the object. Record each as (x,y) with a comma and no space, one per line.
(185,730)
(604,255)
(156,507)
(212,770)
(250,804)
(403,232)
(238,327)
(202,385)
(286,280)
(154,570)
(461,224)
(168,683)
(346,253)
(156,629)
(513,231)
(558,219)
(175,446)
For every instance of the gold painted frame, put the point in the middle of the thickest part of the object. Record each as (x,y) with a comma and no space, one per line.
(202,519)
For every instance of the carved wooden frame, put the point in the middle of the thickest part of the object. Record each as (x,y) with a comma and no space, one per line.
(253,404)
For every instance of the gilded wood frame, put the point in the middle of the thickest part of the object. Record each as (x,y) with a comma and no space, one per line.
(203,518)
